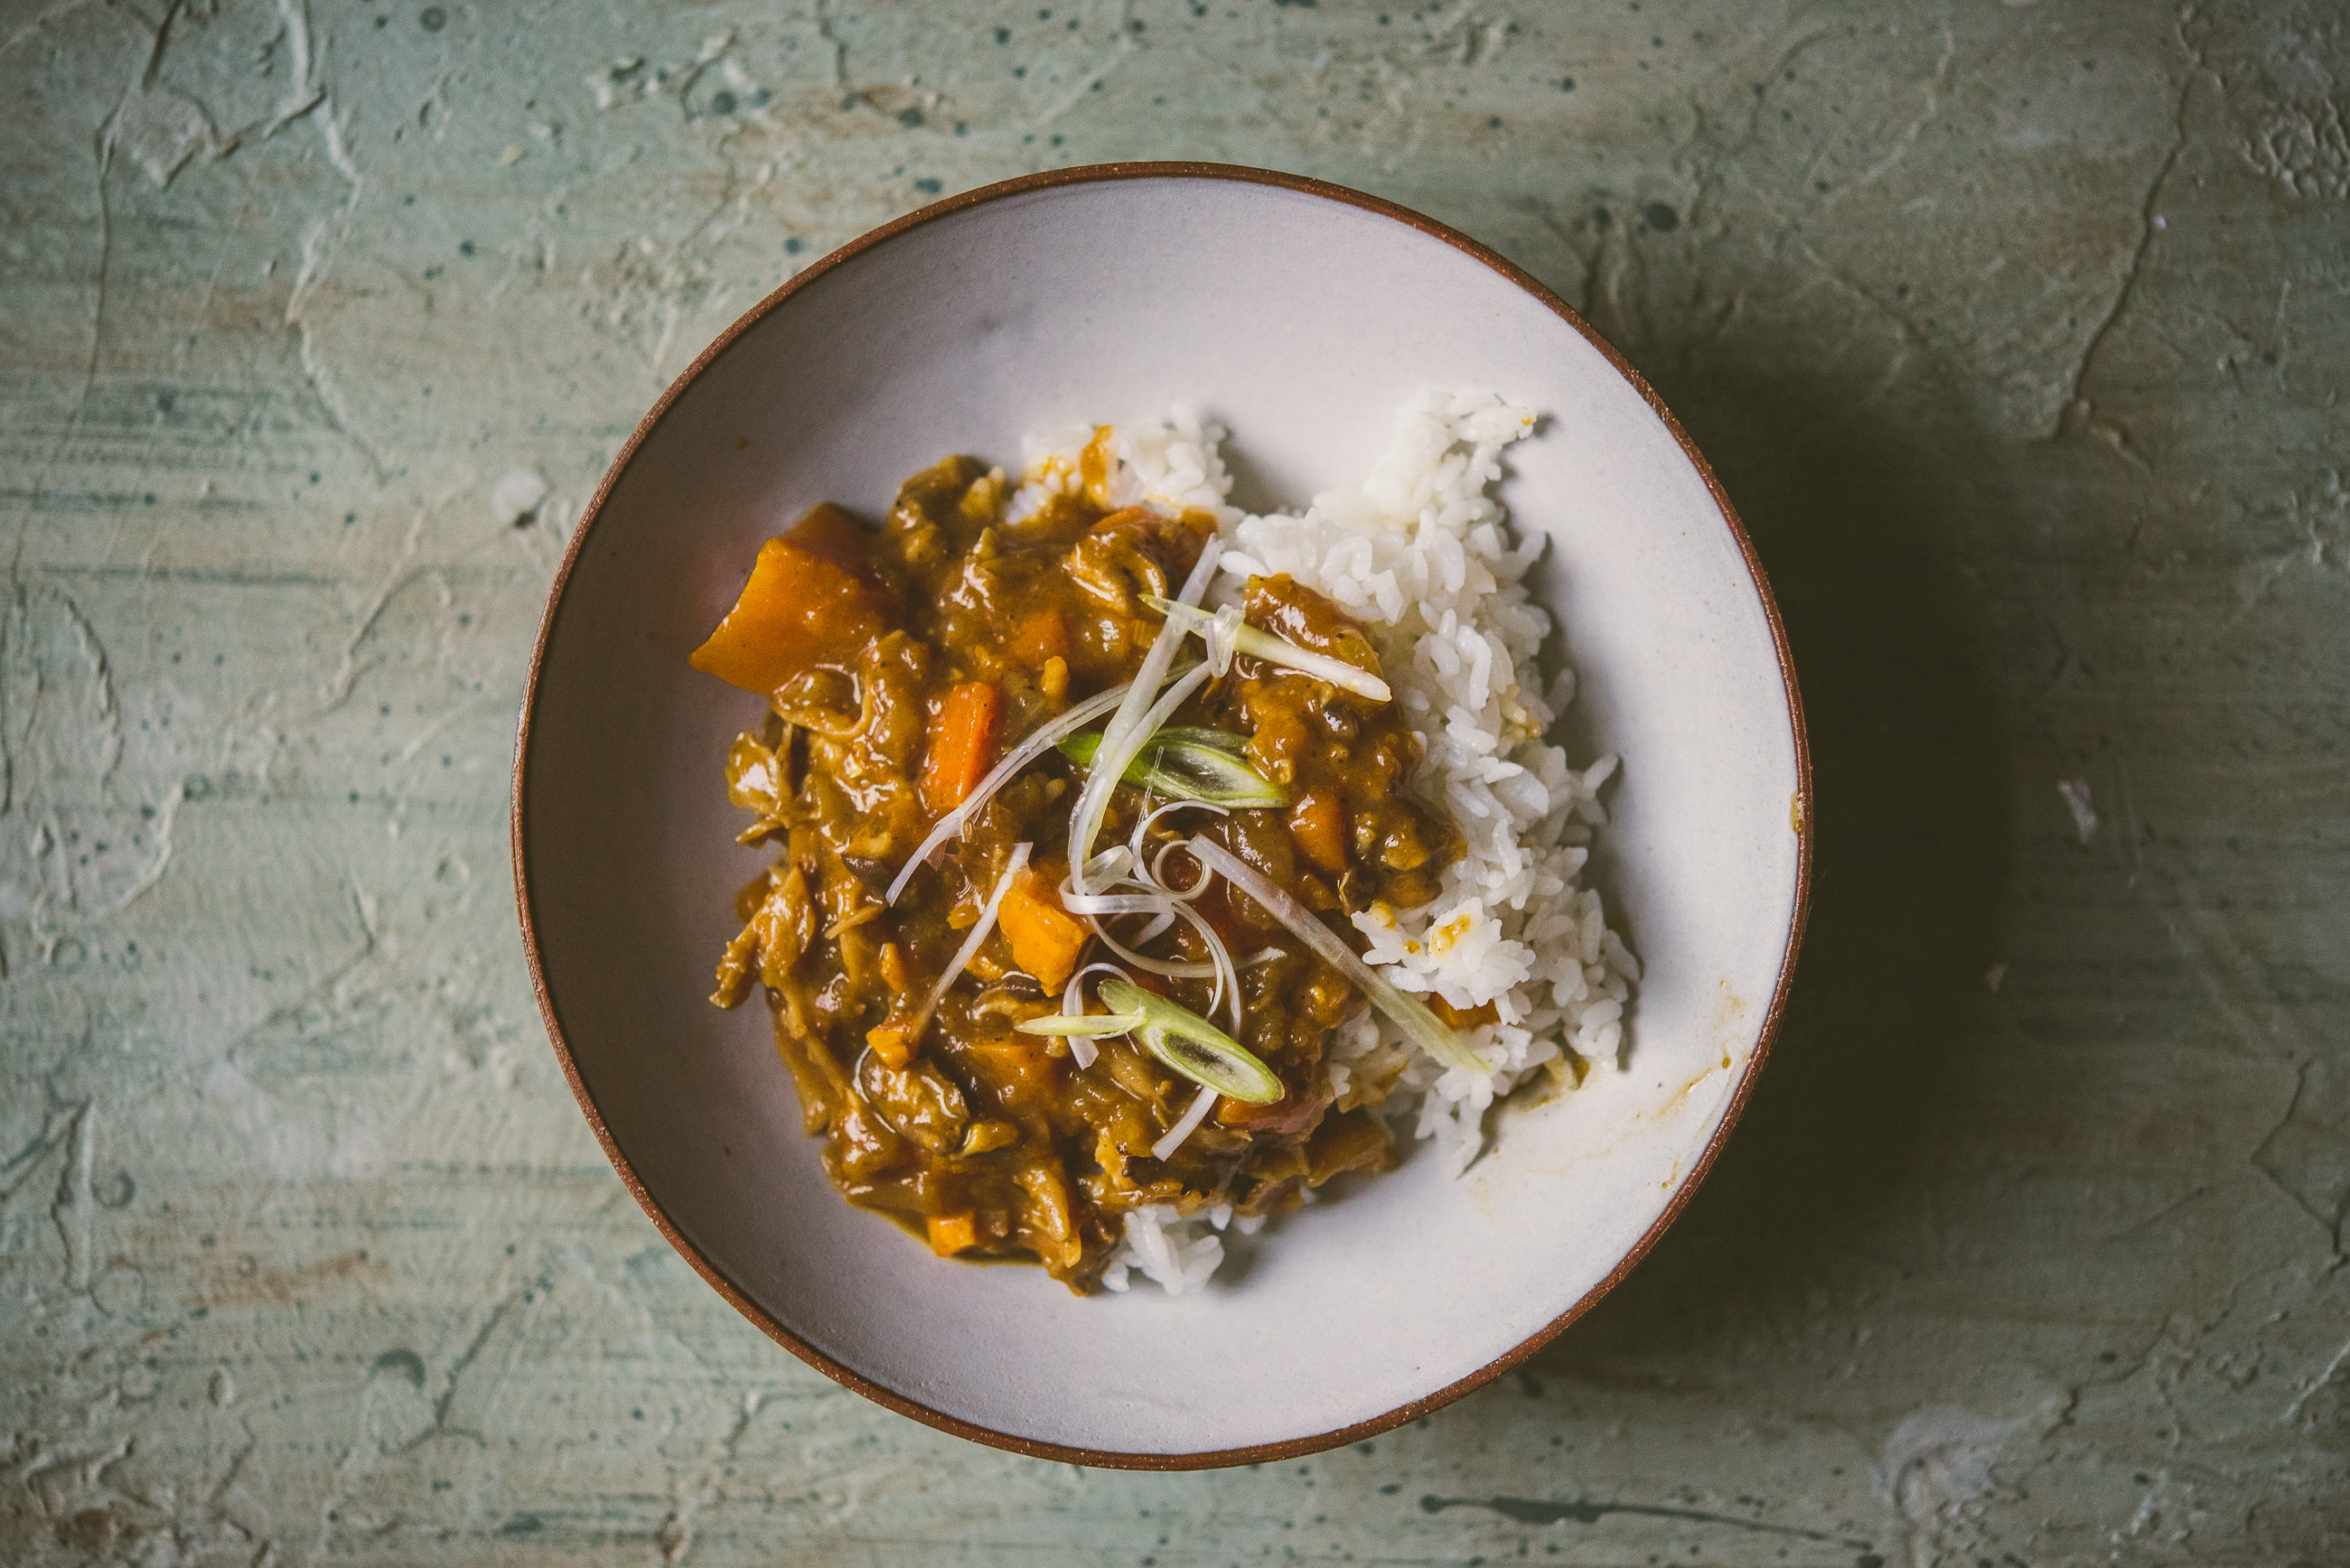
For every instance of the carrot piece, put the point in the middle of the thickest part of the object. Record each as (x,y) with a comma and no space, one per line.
(806,604)
(1317,825)
(1046,940)
(962,746)
(952,1233)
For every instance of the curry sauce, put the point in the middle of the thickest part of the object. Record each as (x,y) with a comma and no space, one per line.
(900,664)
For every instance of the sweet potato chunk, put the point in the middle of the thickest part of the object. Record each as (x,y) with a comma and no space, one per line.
(830,533)
(1047,941)
(1317,825)
(952,1233)
(806,604)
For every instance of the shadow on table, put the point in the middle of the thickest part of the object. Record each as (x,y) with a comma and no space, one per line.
(1847,508)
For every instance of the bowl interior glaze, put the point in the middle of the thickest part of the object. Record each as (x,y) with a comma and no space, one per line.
(1303,317)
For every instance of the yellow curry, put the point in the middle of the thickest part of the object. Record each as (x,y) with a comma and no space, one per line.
(902,665)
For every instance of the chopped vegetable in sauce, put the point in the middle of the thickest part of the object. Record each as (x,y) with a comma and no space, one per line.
(932,1007)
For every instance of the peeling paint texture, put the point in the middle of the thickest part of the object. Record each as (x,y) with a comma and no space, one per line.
(2019,333)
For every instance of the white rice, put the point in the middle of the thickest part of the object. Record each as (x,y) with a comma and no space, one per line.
(1173,1252)
(1421,554)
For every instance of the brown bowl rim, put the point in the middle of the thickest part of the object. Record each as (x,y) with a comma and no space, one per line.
(1259,1453)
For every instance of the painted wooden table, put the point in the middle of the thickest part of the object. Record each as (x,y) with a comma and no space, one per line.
(2019,335)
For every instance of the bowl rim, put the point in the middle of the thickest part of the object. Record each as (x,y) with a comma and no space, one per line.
(1804,818)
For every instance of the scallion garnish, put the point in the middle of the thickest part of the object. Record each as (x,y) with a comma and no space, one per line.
(1424,1028)
(1189,1044)
(1088,1024)
(1280,650)
(1180,763)
(1017,863)
(1136,719)
(950,826)
(1201,1104)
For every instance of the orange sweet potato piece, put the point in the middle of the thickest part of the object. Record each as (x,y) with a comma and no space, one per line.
(1317,825)
(1047,941)
(962,746)
(831,534)
(807,604)
(952,1233)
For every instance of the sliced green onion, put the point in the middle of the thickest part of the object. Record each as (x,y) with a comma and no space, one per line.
(1189,764)
(1191,1045)
(1123,736)
(1278,650)
(1201,1104)
(1425,1029)
(1085,1023)
(1012,866)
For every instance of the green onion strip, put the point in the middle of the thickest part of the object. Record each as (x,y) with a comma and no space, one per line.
(1088,1026)
(1132,725)
(950,826)
(1424,1028)
(1273,650)
(1176,1037)
(1015,864)
(1205,767)
(1073,1004)
(1188,1043)
(1201,1103)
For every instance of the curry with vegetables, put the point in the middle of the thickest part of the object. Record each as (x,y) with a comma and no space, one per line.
(1021,995)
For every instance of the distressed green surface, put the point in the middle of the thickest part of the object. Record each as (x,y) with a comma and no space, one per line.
(2017,332)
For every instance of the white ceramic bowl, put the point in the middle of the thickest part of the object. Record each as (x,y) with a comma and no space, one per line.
(1303,315)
